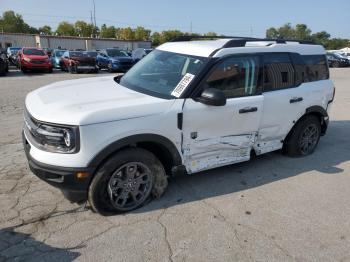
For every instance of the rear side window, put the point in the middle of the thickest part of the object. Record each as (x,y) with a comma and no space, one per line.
(316,67)
(236,76)
(278,72)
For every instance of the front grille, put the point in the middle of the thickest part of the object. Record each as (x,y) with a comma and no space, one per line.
(126,63)
(86,64)
(38,62)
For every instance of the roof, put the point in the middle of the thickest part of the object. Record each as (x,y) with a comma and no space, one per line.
(197,48)
(225,46)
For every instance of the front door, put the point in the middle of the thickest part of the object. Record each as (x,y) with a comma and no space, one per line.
(215,136)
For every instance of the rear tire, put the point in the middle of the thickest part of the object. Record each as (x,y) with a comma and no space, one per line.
(126,181)
(304,137)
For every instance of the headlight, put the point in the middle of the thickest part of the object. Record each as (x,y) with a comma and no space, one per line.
(52,138)
(115,61)
(27,59)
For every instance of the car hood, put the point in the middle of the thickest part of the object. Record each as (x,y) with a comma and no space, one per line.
(91,100)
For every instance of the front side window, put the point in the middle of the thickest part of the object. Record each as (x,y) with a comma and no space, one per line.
(236,76)
(160,72)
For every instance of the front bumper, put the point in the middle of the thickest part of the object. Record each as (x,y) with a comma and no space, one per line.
(64,178)
(121,68)
(83,68)
(36,66)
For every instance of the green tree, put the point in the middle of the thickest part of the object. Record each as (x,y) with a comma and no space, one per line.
(168,35)
(127,33)
(302,32)
(336,43)
(156,38)
(108,31)
(14,23)
(210,34)
(66,29)
(46,30)
(84,29)
(142,33)
(321,37)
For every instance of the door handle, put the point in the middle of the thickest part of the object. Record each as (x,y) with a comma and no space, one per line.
(248,110)
(295,100)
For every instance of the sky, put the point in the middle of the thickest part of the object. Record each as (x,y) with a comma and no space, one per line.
(228,17)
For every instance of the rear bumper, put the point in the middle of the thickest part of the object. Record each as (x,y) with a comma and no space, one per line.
(63,178)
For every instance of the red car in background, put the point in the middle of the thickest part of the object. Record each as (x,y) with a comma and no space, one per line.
(33,59)
(78,61)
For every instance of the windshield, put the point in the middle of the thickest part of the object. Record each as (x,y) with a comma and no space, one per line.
(92,53)
(160,72)
(78,54)
(339,55)
(59,53)
(33,52)
(116,52)
(14,50)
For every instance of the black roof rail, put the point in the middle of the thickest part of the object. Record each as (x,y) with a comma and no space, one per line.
(238,41)
(242,42)
(183,38)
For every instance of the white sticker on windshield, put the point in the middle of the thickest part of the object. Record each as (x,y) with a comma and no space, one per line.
(182,85)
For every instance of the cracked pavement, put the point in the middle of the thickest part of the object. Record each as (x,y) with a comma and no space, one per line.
(273,208)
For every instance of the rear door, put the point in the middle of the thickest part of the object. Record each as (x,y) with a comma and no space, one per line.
(220,135)
(284,103)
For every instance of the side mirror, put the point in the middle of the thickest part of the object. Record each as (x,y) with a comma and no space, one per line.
(212,97)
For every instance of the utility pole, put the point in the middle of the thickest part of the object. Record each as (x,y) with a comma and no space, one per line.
(93,1)
(92,23)
(191,27)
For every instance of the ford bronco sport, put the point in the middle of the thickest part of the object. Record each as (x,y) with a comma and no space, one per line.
(188,106)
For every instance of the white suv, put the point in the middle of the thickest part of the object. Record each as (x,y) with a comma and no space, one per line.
(188,106)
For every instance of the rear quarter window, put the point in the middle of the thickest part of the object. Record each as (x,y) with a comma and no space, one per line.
(316,67)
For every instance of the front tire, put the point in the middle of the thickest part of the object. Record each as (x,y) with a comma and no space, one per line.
(304,137)
(126,181)
(110,67)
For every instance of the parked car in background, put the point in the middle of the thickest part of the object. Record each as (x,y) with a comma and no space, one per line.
(115,60)
(32,58)
(4,64)
(12,54)
(78,61)
(48,51)
(93,54)
(140,53)
(56,57)
(337,60)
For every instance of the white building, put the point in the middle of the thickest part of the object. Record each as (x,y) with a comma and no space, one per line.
(67,42)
